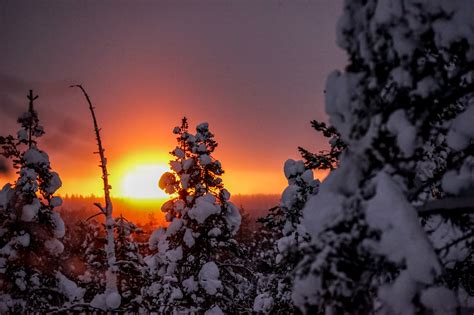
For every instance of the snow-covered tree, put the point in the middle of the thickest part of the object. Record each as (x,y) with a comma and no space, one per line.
(326,159)
(290,240)
(132,271)
(192,265)
(30,229)
(85,255)
(402,107)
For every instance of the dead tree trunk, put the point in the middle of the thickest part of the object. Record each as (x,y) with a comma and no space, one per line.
(112,297)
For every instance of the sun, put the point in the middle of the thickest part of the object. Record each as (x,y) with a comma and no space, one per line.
(141,182)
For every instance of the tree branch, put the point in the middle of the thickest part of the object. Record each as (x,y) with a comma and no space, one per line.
(450,205)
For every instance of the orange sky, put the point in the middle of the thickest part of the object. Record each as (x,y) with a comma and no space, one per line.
(255,70)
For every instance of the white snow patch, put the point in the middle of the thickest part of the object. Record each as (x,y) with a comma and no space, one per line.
(188,238)
(289,196)
(214,232)
(176,166)
(24,240)
(59,227)
(69,288)
(205,206)
(399,295)
(56,202)
(405,132)
(458,181)
(174,227)
(174,255)
(263,303)
(399,225)
(462,130)
(188,163)
(209,278)
(5,195)
(34,156)
(113,300)
(179,153)
(99,301)
(233,217)
(205,159)
(54,183)
(54,246)
(439,299)
(190,284)
(30,211)
(216,310)
(293,168)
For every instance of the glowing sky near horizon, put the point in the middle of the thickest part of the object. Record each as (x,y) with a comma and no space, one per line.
(255,70)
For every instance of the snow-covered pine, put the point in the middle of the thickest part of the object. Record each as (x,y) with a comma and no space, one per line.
(290,240)
(85,256)
(406,95)
(192,267)
(111,298)
(30,229)
(326,159)
(132,269)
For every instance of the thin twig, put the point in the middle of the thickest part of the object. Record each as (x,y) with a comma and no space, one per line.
(463,238)
(93,216)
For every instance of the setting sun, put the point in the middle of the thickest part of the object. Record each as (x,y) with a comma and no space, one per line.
(141,182)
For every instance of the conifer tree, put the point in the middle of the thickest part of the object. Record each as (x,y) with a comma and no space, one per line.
(378,243)
(30,229)
(132,274)
(193,273)
(85,245)
(290,240)
(324,160)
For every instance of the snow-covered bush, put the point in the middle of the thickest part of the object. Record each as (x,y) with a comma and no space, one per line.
(401,107)
(192,264)
(30,229)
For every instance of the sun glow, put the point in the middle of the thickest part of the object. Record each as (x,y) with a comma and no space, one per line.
(141,182)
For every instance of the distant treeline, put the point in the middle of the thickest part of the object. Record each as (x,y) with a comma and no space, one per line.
(78,207)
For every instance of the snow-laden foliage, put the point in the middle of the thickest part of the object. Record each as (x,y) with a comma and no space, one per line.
(132,269)
(30,229)
(85,262)
(403,108)
(326,159)
(290,240)
(192,266)
(84,256)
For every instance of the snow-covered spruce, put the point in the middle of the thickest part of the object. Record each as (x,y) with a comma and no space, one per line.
(30,229)
(290,240)
(192,265)
(132,269)
(405,97)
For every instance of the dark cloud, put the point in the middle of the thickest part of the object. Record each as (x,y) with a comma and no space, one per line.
(62,129)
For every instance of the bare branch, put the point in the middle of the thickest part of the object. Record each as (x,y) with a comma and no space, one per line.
(94,215)
(456,241)
(451,205)
(98,205)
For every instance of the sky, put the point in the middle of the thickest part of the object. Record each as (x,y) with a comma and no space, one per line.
(254,70)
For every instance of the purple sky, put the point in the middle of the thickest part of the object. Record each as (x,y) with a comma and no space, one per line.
(255,70)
